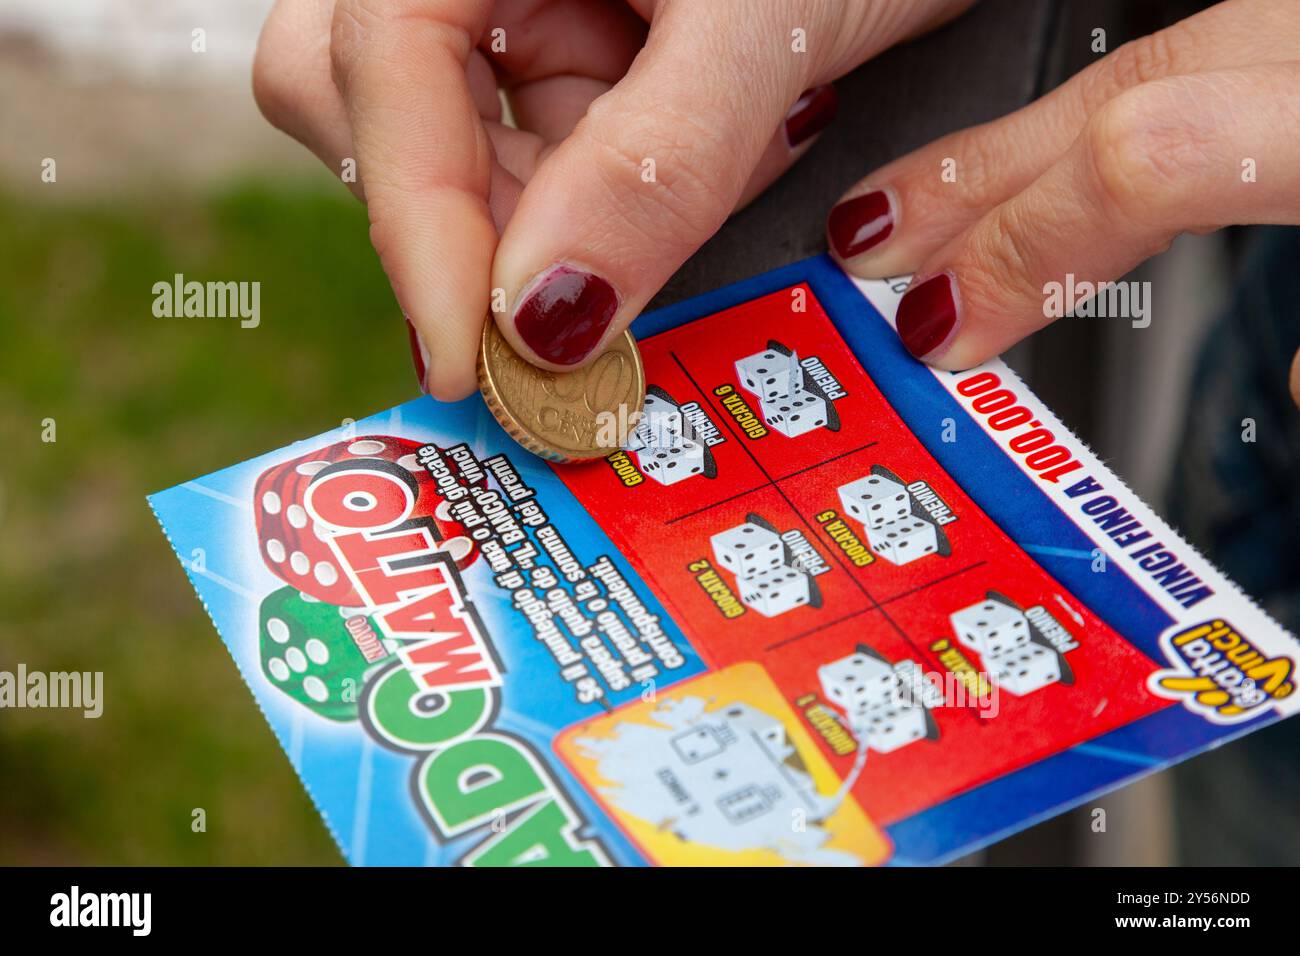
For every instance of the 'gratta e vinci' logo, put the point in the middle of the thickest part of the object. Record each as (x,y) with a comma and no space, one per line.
(1219,674)
(439,700)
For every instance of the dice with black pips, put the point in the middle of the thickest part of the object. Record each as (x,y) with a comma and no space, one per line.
(891,726)
(875,500)
(903,541)
(1024,669)
(858,682)
(990,627)
(776,590)
(673,463)
(770,374)
(795,414)
(748,549)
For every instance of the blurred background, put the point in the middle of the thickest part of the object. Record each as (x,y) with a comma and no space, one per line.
(163,165)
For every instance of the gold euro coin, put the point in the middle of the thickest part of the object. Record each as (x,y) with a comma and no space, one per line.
(563,416)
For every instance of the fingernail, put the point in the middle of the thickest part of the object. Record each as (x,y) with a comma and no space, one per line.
(811,113)
(564,314)
(419,355)
(860,223)
(927,315)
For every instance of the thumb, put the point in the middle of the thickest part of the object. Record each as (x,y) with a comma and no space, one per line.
(650,173)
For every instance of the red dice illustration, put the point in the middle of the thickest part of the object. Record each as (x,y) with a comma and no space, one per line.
(296,548)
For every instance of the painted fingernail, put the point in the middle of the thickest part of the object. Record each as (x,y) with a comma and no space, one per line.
(419,355)
(811,113)
(927,315)
(564,314)
(860,223)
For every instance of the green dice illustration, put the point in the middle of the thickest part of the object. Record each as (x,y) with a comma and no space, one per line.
(317,653)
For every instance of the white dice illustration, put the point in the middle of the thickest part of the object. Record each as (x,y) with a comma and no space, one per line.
(656,404)
(795,414)
(1023,670)
(875,500)
(990,627)
(904,541)
(776,590)
(674,463)
(748,549)
(770,374)
(891,726)
(661,426)
(858,683)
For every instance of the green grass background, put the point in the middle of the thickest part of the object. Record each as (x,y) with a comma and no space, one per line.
(87,581)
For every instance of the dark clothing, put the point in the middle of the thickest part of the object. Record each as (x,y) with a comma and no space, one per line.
(1239,502)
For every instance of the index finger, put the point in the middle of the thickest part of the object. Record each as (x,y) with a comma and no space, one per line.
(400,66)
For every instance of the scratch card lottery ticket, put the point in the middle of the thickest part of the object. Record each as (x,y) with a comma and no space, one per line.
(829,606)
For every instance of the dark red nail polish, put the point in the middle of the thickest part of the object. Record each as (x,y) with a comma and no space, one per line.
(418,356)
(927,314)
(860,223)
(810,114)
(565,314)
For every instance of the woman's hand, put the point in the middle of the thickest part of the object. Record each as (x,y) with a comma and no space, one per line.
(639,127)
(1188,130)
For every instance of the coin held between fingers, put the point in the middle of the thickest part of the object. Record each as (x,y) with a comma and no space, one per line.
(564,416)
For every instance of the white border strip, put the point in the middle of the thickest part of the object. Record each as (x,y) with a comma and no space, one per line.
(1227,603)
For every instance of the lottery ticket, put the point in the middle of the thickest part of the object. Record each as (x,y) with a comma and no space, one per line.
(828,606)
